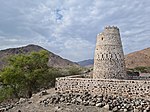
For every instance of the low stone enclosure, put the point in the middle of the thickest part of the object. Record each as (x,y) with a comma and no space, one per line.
(125,88)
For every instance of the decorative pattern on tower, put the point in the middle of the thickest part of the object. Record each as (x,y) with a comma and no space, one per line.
(109,58)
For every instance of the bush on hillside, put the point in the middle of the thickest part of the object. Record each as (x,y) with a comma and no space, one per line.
(27,74)
(74,70)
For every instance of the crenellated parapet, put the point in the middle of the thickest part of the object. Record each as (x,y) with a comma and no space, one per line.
(111,27)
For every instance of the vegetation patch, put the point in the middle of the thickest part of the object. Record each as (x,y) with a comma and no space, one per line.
(26,74)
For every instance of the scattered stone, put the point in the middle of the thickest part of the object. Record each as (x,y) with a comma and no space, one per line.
(2,109)
(107,107)
(9,107)
(115,109)
(85,103)
(43,93)
(58,108)
(62,99)
(137,103)
(22,100)
(139,107)
(29,102)
(136,110)
(99,105)
(99,100)
(108,102)
(92,103)
(68,104)
(125,110)
(148,108)
(79,99)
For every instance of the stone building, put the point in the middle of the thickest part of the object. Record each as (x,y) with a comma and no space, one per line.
(109,58)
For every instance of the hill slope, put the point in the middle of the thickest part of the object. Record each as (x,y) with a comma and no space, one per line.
(86,62)
(138,58)
(132,60)
(54,60)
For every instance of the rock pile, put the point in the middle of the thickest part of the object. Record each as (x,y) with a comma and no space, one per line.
(8,106)
(113,103)
(4,108)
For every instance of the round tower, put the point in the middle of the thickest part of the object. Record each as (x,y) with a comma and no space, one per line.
(109,58)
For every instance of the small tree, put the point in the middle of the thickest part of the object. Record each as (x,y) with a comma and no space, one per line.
(141,69)
(26,73)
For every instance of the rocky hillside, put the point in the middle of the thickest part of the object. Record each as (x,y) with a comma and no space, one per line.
(54,60)
(86,62)
(138,58)
(132,60)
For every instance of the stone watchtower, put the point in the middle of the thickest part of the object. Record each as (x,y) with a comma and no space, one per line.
(109,58)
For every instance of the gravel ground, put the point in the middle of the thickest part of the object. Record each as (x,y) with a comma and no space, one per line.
(56,108)
(33,105)
(49,101)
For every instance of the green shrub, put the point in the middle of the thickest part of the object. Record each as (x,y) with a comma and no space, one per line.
(142,69)
(74,70)
(27,74)
(5,93)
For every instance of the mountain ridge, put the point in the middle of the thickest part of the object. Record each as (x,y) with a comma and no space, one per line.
(54,60)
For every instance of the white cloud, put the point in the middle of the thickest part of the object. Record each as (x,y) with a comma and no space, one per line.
(69,27)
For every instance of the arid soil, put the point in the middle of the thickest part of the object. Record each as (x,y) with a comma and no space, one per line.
(49,101)
(33,105)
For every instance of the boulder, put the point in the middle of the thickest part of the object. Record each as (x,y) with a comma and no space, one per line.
(22,100)
(115,109)
(107,107)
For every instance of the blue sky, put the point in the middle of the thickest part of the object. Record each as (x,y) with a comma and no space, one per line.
(69,27)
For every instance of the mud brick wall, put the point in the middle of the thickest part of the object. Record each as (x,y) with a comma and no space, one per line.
(127,88)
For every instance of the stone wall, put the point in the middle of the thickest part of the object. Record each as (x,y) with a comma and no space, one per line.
(126,88)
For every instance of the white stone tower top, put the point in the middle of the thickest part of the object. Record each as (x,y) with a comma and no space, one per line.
(109,58)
